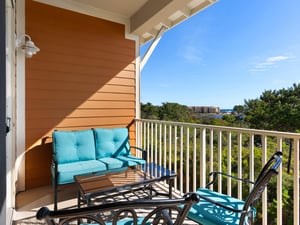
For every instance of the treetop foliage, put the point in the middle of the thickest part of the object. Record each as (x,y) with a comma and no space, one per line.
(275,110)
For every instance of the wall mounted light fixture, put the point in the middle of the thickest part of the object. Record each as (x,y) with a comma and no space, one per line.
(27,46)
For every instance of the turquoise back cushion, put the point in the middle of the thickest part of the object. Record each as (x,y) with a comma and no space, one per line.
(111,142)
(73,146)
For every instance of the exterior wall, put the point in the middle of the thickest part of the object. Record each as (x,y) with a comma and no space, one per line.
(83,77)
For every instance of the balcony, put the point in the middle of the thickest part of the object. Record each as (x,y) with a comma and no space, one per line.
(193,150)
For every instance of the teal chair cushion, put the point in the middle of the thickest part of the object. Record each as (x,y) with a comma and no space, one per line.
(73,146)
(67,171)
(111,142)
(207,213)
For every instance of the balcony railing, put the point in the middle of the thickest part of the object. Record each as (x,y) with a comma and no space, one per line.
(194,150)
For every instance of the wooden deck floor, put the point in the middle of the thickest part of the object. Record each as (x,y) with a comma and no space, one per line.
(29,202)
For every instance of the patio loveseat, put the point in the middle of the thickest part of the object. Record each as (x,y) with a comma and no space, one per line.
(97,150)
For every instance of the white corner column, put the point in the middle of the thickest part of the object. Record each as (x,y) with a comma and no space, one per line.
(19,99)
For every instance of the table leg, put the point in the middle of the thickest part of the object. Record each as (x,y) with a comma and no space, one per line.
(78,199)
(170,188)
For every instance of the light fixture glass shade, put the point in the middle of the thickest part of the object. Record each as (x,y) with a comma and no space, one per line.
(27,46)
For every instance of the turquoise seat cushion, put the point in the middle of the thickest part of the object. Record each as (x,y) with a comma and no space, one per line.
(73,146)
(111,142)
(207,213)
(131,160)
(67,171)
(113,163)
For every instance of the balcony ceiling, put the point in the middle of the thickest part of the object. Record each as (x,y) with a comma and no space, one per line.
(142,18)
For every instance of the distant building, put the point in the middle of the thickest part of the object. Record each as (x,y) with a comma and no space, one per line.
(205,109)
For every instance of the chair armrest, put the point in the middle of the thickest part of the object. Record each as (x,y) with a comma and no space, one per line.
(216,173)
(144,152)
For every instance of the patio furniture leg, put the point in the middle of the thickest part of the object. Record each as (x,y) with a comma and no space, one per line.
(55,195)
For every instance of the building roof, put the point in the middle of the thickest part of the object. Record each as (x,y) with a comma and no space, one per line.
(142,18)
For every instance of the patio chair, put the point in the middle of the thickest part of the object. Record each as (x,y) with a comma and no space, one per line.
(136,212)
(219,209)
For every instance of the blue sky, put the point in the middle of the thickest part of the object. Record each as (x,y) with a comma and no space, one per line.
(231,51)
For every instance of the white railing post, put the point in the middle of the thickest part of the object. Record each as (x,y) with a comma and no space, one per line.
(220,160)
(175,155)
(240,167)
(211,155)
(229,163)
(187,173)
(170,148)
(181,160)
(165,146)
(251,160)
(279,186)
(296,181)
(156,144)
(203,158)
(265,193)
(150,132)
(160,144)
(194,160)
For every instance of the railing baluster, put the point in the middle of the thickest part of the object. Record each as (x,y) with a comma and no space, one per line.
(175,155)
(194,160)
(170,147)
(220,159)
(296,181)
(165,146)
(181,159)
(211,158)
(151,142)
(251,160)
(202,160)
(264,194)
(160,144)
(156,144)
(148,141)
(279,186)
(229,162)
(240,165)
(187,173)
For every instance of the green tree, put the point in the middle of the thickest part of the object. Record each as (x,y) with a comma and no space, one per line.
(238,111)
(168,112)
(275,110)
(175,112)
(149,111)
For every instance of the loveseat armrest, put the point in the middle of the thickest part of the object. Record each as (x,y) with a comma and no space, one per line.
(144,152)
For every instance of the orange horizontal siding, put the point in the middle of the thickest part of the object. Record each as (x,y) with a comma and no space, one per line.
(83,77)
(82,113)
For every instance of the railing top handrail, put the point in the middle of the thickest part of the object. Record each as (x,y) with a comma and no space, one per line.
(223,128)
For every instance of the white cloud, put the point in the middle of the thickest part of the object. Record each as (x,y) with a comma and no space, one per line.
(269,63)
(277,58)
(191,54)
